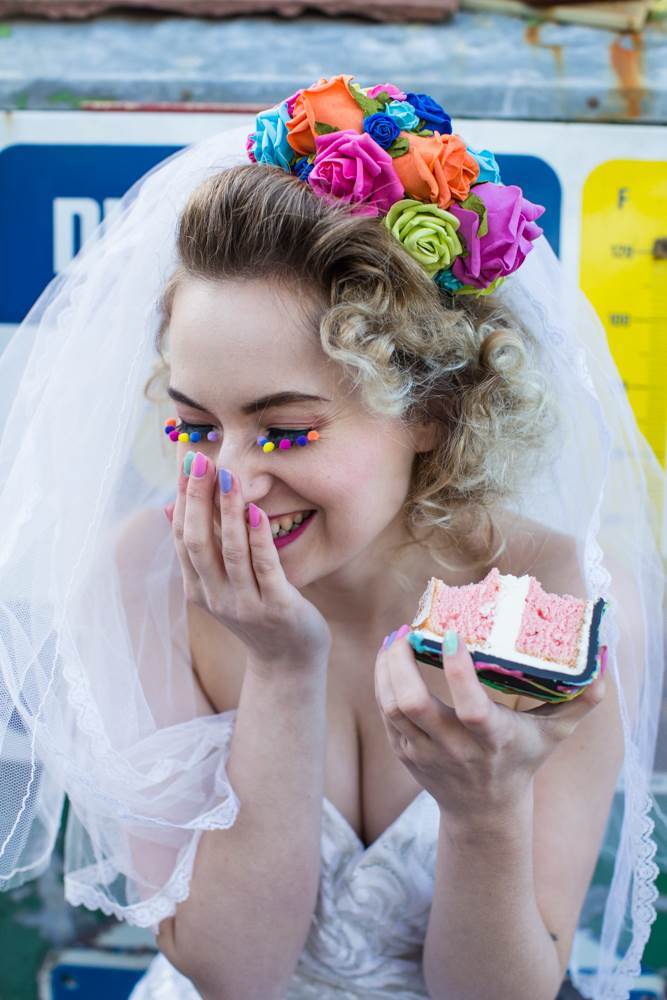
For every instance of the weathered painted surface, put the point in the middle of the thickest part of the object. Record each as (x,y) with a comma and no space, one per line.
(477,64)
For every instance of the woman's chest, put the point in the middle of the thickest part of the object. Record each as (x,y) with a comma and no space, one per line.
(363,778)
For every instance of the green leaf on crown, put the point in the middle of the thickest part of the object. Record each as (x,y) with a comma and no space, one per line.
(382,98)
(475,204)
(422,129)
(399,147)
(323,129)
(368,105)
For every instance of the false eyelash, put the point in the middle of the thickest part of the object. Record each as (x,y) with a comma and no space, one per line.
(185,427)
(277,432)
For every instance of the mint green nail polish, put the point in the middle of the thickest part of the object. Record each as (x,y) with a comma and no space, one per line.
(187,462)
(450,642)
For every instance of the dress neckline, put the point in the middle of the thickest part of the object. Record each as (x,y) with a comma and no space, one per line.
(352,833)
(347,826)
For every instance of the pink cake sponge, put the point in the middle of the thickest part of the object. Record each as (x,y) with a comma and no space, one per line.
(551,625)
(469,610)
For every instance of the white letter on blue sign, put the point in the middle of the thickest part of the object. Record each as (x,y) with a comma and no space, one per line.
(65,211)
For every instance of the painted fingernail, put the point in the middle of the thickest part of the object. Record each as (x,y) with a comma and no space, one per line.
(450,642)
(226,480)
(390,638)
(187,462)
(254,515)
(199,465)
(603,660)
(403,630)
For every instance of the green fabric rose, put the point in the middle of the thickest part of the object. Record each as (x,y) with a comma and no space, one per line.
(427,232)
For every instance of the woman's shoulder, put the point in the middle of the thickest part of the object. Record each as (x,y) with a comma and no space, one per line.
(535,549)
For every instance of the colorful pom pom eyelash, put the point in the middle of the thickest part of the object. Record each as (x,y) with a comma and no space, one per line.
(177,432)
(279,439)
(285,440)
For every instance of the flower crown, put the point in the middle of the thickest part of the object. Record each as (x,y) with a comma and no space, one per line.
(392,154)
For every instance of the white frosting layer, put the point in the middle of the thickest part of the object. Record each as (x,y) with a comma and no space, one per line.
(509,609)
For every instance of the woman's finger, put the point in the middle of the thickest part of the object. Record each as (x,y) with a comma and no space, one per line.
(198,524)
(386,701)
(563,717)
(234,533)
(472,705)
(405,699)
(266,563)
(190,577)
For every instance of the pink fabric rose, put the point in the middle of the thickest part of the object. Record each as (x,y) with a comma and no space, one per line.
(503,249)
(350,167)
(394,92)
(249,146)
(291,101)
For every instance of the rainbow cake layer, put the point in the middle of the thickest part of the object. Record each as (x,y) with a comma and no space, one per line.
(522,639)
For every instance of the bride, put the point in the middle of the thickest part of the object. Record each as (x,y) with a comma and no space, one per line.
(360,396)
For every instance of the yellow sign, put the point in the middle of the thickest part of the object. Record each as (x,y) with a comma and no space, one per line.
(624,273)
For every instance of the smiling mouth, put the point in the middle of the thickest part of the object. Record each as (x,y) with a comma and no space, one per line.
(280,528)
(287,524)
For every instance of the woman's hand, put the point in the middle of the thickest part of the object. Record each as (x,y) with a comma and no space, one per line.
(478,755)
(237,575)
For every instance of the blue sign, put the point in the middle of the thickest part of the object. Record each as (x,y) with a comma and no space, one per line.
(52,196)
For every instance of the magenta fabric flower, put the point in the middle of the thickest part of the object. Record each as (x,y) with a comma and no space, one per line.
(511,230)
(291,101)
(394,92)
(350,167)
(250,146)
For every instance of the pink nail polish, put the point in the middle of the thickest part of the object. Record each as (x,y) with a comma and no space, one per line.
(603,660)
(254,515)
(403,630)
(199,466)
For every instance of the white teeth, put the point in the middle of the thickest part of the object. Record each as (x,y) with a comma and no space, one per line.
(285,524)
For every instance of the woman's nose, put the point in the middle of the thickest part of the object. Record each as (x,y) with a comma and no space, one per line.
(248,467)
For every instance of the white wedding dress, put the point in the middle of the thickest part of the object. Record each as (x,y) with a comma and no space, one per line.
(368,928)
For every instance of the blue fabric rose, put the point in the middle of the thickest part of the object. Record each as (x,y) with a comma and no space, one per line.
(446,280)
(403,114)
(382,129)
(431,113)
(271,145)
(488,167)
(302,168)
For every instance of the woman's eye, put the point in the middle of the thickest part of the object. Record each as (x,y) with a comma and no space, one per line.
(283,437)
(197,432)
(272,432)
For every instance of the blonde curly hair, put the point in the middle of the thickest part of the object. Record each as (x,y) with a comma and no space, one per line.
(412,349)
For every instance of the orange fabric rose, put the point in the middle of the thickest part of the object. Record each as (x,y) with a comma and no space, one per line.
(329,101)
(436,168)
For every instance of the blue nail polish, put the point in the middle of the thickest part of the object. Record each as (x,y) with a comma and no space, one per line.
(390,639)
(226,480)
(187,462)
(450,642)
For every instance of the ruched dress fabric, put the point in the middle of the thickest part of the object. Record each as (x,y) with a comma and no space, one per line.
(367,932)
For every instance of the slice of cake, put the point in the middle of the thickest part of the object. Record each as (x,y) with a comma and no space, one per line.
(522,639)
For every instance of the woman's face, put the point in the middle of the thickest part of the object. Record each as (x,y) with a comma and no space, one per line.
(235,343)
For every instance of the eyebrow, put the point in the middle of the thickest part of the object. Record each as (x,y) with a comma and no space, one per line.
(274,399)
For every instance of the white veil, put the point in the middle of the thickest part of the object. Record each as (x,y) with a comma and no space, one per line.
(97,696)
